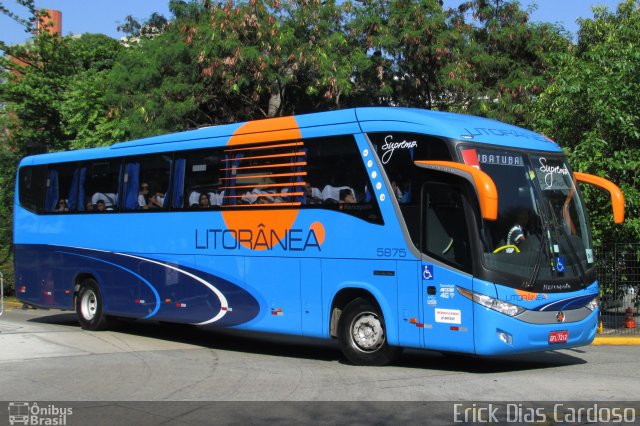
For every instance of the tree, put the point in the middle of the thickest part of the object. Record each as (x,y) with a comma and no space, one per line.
(8,161)
(592,107)
(36,82)
(501,60)
(85,115)
(408,45)
(231,62)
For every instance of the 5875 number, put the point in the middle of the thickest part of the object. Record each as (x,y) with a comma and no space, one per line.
(391,252)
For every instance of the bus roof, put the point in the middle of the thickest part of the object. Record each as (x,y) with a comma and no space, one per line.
(369,119)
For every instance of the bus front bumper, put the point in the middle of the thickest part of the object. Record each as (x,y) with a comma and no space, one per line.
(499,334)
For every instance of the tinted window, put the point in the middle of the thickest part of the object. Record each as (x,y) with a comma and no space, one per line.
(32,181)
(446,236)
(198,179)
(337,178)
(397,152)
(146,182)
(323,173)
(100,187)
(61,188)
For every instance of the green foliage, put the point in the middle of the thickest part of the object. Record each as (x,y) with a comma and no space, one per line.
(8,162)
(592,107)
(501,60)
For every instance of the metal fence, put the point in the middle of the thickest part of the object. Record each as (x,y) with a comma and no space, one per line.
(618,269)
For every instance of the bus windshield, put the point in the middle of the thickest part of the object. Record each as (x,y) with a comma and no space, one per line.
(541,233)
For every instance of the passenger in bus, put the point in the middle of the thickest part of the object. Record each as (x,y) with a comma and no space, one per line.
(143,196)
(203,201)
(346,196)
(156,201)
(312,195)
(62,206)
(88,207)
(193,199)
(216,198)
(396,190)
(101,206)
(264,200)
(108,198)
(331,194)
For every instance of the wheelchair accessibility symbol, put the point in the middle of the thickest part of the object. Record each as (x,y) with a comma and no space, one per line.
(560,264)
(427,272)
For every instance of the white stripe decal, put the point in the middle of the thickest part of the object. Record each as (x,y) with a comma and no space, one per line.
(224,305)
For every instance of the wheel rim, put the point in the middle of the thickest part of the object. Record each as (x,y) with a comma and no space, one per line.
(367,332)
(89,305)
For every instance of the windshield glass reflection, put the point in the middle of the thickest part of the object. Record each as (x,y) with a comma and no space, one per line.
(541,233)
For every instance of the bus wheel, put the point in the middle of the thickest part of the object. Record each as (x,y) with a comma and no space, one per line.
(89,307)
(362,335)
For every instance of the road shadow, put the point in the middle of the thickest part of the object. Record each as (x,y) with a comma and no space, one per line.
(321,350)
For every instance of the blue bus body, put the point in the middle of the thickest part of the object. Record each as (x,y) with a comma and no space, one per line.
(291,268)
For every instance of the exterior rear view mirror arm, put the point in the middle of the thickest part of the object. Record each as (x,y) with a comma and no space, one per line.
(617,198)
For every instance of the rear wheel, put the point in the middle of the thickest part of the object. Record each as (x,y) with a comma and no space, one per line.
(89,306)
(363,336)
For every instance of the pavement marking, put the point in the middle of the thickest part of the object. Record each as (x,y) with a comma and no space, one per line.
(616,340)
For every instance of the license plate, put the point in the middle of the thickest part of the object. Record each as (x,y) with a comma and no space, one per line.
(558,336)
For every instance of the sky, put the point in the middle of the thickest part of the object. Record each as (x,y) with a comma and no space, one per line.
(104,16)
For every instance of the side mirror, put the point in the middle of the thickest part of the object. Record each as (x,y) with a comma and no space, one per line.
(482,183)
(617,198)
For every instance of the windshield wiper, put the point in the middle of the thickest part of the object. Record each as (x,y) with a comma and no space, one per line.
(559,229)
(548,247)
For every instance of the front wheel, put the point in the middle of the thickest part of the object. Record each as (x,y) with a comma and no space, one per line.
(362,335)
(89,307)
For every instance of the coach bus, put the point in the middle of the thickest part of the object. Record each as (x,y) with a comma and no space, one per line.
(382,228)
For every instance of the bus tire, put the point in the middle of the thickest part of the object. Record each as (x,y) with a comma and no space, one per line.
(362,335)
(89,307)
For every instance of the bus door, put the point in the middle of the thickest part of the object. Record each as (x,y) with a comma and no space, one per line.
(447,321)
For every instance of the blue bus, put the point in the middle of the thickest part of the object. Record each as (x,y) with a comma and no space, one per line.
(382,228)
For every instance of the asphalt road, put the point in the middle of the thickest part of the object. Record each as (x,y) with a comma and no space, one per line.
(45,356)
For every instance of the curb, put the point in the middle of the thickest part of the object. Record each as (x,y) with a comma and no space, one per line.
(616,341)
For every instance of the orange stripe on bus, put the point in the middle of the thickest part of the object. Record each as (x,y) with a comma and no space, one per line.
(275,194)
(266,176)
(264,185)
(267,166)
(279,145)
(260,157)
(283,132)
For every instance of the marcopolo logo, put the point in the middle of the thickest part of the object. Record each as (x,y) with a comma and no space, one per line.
(26,413)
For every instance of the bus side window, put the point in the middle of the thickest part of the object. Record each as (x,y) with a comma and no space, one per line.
(32,188)
(197,173)
(100,189)
(146,182)
(337,179)
(61,188)
(445,233)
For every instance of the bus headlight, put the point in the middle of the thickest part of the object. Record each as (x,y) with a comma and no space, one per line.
(491,303)
(593,304)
